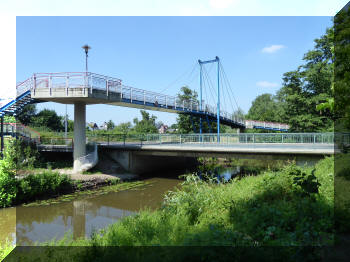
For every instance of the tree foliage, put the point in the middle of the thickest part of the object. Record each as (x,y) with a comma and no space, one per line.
(27,114)
(48,118)
(265,107)
(305,98)
(187,123)
(147,124)
(308,86)
(342,69)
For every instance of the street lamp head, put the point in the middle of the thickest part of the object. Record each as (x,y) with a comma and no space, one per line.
(86,48)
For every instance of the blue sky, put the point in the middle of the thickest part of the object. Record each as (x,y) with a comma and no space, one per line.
(152,52)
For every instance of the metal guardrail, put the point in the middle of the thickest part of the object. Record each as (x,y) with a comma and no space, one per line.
(225,139)
(91,81)
(265,125)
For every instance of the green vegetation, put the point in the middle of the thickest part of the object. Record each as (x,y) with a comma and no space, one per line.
(270,209)
(115,186)
(147,125)
(265,108)
(301,100)
(342,70)
(5,249)
(292,207)
(14,190)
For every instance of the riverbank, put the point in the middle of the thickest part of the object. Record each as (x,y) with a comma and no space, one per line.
(293,207)
(5,249)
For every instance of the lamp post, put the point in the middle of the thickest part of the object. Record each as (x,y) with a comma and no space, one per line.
(86,48)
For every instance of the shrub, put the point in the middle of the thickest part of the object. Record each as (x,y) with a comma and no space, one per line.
(37,186)
(8,184)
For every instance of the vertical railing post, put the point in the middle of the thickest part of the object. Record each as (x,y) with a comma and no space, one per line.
(130,95)
(314,138)
(34,84)
(183,105)
(90,83)
(50,84)
(121,92)
(107,87)
(67,84)
(253,138)
(144,97)
(175,102)
(166,101)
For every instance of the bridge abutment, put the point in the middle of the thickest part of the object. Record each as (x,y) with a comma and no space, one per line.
(79,133)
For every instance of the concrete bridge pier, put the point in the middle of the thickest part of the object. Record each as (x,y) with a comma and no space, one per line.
(79,133)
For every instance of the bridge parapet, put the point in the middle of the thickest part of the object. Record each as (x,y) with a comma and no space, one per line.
(55,86)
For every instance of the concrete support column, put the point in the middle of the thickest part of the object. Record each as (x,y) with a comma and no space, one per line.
(79,133)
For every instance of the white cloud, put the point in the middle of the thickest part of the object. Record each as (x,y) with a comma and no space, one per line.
(266,84)
(220,4)
(272,49)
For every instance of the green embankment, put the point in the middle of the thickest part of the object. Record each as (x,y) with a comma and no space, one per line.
(292,208)
(5,249)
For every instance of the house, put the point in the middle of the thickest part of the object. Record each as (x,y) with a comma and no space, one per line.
(104,126)
(92,126)
(163,129)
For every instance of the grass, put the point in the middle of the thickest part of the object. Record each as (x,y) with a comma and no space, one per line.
(5,249)
(290,209)
(268,210)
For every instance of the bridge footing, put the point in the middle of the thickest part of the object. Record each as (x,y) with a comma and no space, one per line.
(79,134)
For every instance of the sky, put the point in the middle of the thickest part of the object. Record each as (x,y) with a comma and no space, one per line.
(152,52)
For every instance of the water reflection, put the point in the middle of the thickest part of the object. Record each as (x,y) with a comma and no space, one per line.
(81,217)
(7,225)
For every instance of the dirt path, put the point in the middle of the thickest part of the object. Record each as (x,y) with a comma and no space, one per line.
(96,176)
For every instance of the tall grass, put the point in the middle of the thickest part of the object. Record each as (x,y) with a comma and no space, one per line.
(265,210)
(5,249)
(291,209)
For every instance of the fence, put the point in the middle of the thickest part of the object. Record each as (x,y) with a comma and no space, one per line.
(88,82)
(225,139)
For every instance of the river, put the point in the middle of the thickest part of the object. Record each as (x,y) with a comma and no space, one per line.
(80,217)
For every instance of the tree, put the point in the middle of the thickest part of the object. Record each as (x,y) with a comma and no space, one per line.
(48,118)
(123,128)
(27,114)
(110,125)
(265,108)
(303,91)
(187,123)
(70,125)
(342,70)
(147,124)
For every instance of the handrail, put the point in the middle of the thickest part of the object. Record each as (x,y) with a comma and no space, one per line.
(225,138)
(92,81)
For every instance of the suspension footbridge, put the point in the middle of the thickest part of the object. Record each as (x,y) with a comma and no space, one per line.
(84,88)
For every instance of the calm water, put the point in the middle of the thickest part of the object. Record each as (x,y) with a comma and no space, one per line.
(80,217)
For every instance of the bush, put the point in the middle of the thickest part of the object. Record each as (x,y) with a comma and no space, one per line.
(38,186)
(273,209)
(8,184)
(5,249)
